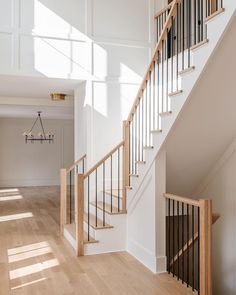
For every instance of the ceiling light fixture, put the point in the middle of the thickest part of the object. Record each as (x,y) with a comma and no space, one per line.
(58,96)
(42,136)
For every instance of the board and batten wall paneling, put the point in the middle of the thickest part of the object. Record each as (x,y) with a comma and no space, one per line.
(34,164)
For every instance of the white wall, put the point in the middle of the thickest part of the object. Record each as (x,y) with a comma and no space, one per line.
(220,186)
(121,39)
(34,164)
(146,218)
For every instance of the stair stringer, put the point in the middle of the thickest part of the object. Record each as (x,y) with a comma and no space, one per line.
(200,57)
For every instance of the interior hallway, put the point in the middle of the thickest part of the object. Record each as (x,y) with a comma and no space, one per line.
(35,259)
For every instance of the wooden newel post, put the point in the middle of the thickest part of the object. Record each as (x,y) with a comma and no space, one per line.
(205,247)
(126,160)
(79,213)
(63,199)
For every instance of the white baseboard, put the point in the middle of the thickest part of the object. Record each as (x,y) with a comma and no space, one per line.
(142,254)
(161,264)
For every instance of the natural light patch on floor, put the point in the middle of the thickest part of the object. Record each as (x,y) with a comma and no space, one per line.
(34,268)
(10,198)
(29,254)
(29,283)
(27,248)
(16,216)
(10,190)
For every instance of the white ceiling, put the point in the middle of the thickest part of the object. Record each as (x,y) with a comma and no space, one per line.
(24,96)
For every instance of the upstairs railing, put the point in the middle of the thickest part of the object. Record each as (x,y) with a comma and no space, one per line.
(189,241)
(181,27)
(68,194)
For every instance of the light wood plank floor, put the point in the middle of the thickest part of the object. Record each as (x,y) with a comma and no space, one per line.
(35,259)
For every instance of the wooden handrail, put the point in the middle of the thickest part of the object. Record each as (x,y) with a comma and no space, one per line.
(150,67)
(163,10)
(103,159)
(182,199)
(75,164)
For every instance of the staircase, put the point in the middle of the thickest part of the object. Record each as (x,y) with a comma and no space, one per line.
(95,202)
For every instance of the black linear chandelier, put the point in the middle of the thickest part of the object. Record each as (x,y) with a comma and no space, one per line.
(42,136)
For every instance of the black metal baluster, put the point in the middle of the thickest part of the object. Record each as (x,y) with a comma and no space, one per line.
(183,229)
(146,111)
(133,147)
(103,201)
(188,236)
(139,130)
(88,211)
(178,236)
(189,30)
(173,250)
(177,48)
(162,77)
(158,90)
(142,124)
(183,33)
(195,22)
(118,164)
(172,53)
(198,229)
(199,21)
(70,197)
(111,184)
(150,108)
(167,73)
(154,95)
(96,197)
(169,231)
(129,151)
(157,28)
(202,21)
(193,264)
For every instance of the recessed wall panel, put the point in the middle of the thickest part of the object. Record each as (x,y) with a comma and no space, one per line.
(123,19)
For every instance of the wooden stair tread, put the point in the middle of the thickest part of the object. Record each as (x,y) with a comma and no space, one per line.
(189,69)
(134,175)
(177,92)
(71,229)
(115,193)
(107,208)
(140,162)
(219,11)
(92,222)
(166,113)
(199,44)
(156,131)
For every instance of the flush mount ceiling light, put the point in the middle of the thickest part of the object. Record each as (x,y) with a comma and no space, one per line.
(42,136)
(58,96)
